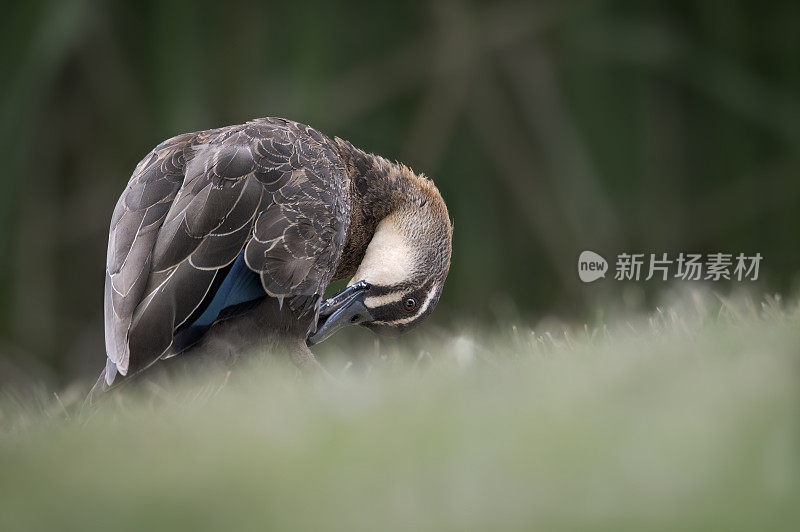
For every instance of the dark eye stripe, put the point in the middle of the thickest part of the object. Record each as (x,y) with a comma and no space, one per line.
(422,310)
(384,290)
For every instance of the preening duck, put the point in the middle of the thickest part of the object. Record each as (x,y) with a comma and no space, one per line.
(225,240)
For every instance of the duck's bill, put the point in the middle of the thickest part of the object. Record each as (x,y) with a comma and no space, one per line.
(345,308)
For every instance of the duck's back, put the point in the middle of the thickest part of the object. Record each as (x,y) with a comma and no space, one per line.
(207,219)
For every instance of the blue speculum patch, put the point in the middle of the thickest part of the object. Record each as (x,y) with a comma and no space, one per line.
(233,286)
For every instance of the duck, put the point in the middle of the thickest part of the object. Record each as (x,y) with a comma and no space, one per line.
(225,240)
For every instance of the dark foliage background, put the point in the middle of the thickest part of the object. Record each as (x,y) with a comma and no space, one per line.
(550,127)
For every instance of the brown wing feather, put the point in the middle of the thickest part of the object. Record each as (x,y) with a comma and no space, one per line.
(272,186)
(301,233)
(135,224)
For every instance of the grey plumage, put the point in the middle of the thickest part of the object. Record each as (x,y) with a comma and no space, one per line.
(272,186)
(288,210)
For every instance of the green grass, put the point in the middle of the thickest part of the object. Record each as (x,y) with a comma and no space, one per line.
(688,419)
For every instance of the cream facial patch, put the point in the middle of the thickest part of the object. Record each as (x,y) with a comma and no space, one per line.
(389,259)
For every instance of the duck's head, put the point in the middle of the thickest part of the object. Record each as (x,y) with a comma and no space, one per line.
(400,279)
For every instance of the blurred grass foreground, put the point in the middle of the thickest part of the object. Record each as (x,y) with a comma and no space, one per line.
(687,419)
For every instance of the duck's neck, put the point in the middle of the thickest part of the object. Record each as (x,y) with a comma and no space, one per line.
(378,187)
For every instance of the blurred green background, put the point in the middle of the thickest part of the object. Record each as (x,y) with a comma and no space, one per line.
(550,127)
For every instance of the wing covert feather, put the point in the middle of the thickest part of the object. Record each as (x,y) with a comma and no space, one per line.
(273,188)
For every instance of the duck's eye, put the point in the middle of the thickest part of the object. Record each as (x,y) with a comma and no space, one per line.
(409,303)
